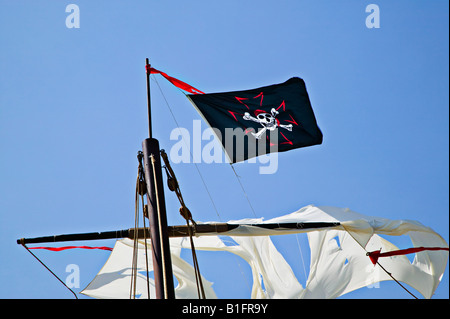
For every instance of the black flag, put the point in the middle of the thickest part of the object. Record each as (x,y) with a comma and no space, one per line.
(274,118)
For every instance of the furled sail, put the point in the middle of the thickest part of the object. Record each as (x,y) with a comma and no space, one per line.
(339,257)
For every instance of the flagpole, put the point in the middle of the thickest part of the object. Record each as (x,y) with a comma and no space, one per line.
(157,216)
(149,102)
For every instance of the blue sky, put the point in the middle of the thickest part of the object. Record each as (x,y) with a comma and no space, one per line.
(73,115)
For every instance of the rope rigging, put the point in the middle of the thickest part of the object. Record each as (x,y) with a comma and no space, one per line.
(25,246)
(398,282)
(186,214)
(140,192)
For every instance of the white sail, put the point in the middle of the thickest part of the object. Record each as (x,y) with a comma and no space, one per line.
(339,263)
(114,279)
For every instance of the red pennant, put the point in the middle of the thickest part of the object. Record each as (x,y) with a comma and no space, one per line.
(174,81)
(374,255)
(70,247)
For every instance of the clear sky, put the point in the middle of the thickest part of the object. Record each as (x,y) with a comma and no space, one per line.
(73,115)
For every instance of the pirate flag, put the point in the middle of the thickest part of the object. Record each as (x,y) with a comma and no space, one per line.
(275,118)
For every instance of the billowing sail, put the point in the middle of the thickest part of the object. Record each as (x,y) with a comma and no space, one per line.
(339,260)
(113,280)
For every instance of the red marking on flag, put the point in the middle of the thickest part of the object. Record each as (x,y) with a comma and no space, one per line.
(260,95)
(270,142)
(287,140)
(240,101)
(282,105)
(256,112)
(232,113)
(293,121)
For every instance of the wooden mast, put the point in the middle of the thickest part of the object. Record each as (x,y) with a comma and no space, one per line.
(157,217)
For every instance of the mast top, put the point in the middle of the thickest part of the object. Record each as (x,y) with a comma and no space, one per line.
(149,106)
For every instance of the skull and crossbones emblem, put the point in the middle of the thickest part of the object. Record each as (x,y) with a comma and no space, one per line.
(268,121)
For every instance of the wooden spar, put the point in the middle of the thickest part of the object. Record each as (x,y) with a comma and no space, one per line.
(174,231)
(115,234)
(213,229)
